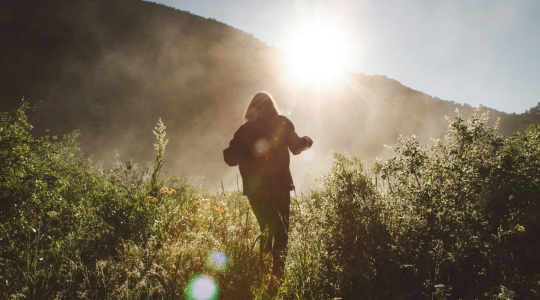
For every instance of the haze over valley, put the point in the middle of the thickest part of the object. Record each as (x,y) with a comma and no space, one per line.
(111,69)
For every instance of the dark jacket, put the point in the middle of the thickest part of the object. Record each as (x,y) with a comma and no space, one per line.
(261,150)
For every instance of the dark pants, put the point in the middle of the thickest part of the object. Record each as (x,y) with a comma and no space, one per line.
(272,212)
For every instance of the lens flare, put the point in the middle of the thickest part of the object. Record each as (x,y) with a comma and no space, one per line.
(261,148)
(217,260)
(202,287)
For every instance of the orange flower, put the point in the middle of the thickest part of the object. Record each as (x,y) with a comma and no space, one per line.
(217,208)
(167,190)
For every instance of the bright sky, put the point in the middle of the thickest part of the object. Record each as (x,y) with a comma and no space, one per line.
(468,51)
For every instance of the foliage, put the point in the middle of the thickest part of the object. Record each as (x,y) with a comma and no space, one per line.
(71,229)
(455,219)
(473,203)
(338,236)
(532,115)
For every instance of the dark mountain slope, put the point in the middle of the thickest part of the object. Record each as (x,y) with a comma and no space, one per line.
(112,68)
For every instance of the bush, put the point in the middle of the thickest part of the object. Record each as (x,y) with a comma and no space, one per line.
(474,202)
(338,237)
(456,219)
(71,229)
(47,199)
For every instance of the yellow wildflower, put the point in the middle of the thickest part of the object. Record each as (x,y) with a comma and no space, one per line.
(167,191)
(218,208)
(151,199)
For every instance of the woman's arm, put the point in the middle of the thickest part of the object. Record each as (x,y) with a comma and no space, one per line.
(298,144)
(231,155)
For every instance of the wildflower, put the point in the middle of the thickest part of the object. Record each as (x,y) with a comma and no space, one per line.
(440,286)
(51,214)
(520,228)
(218,208)
(151,199)
(168,191)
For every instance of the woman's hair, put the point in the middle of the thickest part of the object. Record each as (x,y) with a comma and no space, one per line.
(261,106)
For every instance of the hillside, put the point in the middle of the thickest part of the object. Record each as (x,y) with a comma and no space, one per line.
(112,68)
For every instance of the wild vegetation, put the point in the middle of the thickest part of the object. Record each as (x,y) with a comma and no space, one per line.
(455,219)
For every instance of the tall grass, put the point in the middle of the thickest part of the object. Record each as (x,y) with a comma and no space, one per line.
(455,219)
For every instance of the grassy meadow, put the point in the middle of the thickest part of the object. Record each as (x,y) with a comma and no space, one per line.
(458,218)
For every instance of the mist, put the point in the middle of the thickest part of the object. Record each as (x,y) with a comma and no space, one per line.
(111,69)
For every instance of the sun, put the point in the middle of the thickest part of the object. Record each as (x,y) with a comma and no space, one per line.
(317,51)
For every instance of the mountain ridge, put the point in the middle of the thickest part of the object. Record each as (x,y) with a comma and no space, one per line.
(112,68)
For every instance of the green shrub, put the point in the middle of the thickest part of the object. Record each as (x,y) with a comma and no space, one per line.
(47,227)
(60,214)
(71,229)
(474,201)
(338,236)
(456,219)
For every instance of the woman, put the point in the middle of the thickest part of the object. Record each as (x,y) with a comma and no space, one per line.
(260,148)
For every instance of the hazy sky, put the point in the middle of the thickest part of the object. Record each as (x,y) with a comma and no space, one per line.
(477,52)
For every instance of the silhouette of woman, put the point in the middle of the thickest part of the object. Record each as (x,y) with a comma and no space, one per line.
(260,148)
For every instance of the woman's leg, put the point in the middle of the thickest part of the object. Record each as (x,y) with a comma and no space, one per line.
(262,211)
(279,225)
(275,217)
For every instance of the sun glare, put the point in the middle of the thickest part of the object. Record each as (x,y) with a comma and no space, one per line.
(317,52)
